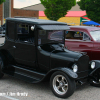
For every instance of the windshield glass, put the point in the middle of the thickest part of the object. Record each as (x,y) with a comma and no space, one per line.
(95,35)
(50,36)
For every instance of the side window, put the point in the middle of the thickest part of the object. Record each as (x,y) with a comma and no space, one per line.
(76,35)
(22,29)
(25,33)
(69,35)
(86,37)
(11,30)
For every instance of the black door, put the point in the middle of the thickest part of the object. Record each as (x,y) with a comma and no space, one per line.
(25,54)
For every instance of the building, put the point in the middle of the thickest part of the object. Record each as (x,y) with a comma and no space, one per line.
(40,7)
(75,16)
(7,10)
(71,18)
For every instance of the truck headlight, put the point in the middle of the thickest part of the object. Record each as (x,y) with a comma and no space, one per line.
(92,65)
(75,68)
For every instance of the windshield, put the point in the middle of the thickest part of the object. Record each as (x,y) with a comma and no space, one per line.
(95,35)
(50,36)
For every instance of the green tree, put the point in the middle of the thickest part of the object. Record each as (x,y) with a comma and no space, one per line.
(92,8)
(56,9)
(1,1)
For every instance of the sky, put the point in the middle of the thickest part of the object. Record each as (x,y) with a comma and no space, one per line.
(25,3)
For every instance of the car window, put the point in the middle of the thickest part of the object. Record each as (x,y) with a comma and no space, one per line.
(50,36)
(57,34)
(95,35)
(86,37)
(25,33)
(76,35)
(3,26)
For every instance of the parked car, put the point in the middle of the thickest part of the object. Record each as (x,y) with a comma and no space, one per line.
(84,39)
(2,30)
(33,53)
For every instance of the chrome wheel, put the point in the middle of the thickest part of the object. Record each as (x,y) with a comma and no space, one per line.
(60,84)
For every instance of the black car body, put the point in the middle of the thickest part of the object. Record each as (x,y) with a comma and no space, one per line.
(34,51)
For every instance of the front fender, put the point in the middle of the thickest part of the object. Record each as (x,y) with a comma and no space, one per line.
(67,71)
(97,67)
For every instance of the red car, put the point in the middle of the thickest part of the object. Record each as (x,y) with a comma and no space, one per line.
(84,39)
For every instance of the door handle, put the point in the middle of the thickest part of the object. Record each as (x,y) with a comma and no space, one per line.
(14,46)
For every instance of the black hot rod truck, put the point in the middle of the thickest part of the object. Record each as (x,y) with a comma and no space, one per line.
(34,51)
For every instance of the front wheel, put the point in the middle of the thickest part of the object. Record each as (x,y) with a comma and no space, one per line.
(95,81)
(62,85)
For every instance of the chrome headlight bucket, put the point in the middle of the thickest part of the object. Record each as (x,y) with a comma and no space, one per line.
(75,68)
(92,65)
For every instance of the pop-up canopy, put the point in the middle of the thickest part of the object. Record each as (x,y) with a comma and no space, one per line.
(91,23)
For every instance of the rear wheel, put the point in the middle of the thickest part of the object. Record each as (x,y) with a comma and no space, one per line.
(62,85)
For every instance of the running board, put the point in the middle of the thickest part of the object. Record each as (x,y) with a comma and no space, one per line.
(24,74)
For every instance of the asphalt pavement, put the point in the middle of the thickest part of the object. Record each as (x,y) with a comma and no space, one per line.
(42,91)
(2,39)
(15,89)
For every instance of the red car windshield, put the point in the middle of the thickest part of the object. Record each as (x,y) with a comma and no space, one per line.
(95,35)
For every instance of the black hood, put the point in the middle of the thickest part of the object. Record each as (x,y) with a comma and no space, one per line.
(61,57)
(67,58)
(58,56)
(66,55)
(59,52)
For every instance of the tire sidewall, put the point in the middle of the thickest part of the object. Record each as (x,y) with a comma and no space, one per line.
(71,84)
(95,85)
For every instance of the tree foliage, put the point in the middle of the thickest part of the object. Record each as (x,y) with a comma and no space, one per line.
(92,8)
(56,9)
(1,1)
